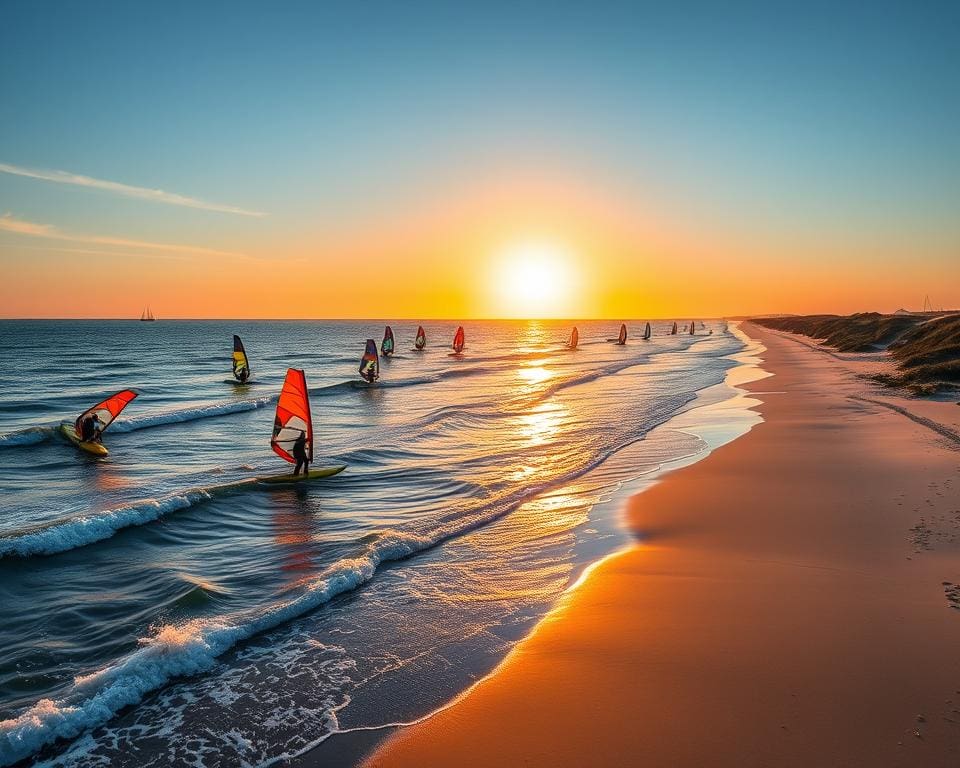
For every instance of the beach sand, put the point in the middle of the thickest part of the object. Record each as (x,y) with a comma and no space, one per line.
(784,605)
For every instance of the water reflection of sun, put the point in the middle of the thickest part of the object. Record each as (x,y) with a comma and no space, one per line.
(541,424)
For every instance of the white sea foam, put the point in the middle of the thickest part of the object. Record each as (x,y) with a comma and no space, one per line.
(28,436)
(81,531)
(187,414)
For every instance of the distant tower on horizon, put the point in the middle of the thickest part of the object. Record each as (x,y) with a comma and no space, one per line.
(927,304)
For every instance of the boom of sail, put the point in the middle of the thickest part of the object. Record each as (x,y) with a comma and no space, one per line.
(459,339)
(386,347)
(107,410)
(293,417)
(241,365)
(421,341)
(370,363)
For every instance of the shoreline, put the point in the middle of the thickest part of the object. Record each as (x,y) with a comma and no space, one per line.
(755,621)
(713,420)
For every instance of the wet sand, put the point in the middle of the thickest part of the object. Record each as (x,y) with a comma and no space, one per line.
(784,605)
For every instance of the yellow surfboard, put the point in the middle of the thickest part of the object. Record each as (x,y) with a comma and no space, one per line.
(314,474)
(70,432)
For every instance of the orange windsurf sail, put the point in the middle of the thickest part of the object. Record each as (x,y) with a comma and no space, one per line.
(293,416)
(108,410)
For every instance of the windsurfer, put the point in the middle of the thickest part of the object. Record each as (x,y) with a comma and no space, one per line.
(91,429)
(300,454)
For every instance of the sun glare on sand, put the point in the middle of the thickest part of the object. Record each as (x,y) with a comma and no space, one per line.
(533,279)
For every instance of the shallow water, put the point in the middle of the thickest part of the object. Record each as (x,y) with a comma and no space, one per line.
(231,624)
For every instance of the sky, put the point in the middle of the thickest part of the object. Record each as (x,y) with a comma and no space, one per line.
(420,160)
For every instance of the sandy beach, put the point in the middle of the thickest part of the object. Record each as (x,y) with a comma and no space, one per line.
(789,601)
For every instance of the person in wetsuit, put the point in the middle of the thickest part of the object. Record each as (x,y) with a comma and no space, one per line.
(300,454)
(90,429)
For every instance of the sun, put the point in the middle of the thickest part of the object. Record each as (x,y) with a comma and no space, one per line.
(533,279)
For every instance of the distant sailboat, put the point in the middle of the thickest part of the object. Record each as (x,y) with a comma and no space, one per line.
(421,341)
(147,316)
(386,347)
(646,332)
(459,339)
(574,338)
(674,331)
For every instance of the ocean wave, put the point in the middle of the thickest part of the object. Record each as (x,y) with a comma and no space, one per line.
(192,648)
(71,533)
(188,414)
(28,436)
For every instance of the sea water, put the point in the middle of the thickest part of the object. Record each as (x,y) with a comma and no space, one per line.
(156,609)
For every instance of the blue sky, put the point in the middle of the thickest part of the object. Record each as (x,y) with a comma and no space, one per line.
(780,119)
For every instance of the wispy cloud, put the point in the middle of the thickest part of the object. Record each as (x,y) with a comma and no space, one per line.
(142,193)
(8,223)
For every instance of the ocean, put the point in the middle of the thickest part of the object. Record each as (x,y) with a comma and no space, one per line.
(154,610)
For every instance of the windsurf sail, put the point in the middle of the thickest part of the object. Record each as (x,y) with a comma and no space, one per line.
(370,363)
(421,340)
(674,331)
(693,327)
(241,365)
(574,338)
(108,410)
(647,332)
(386,347)
(622,338)
(458,340)
(293,417)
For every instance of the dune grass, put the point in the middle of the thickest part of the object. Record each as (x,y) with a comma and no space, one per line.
(926,348)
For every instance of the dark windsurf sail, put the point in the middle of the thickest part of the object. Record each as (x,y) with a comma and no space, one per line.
(647,332)
(370,363)
(241,365)
(622,338)
(293,417)
(421,341)
(574,338)
(386,347)
(693,327)
(107,410)
(459,339)
(674,331)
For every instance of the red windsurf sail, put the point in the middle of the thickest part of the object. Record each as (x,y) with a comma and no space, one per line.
(574,338)
(421,341)
(108,410)
(293,416)
(459,340)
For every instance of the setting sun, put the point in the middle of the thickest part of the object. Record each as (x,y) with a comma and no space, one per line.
(533,279)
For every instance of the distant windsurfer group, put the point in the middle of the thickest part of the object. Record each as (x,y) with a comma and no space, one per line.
(292,437)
